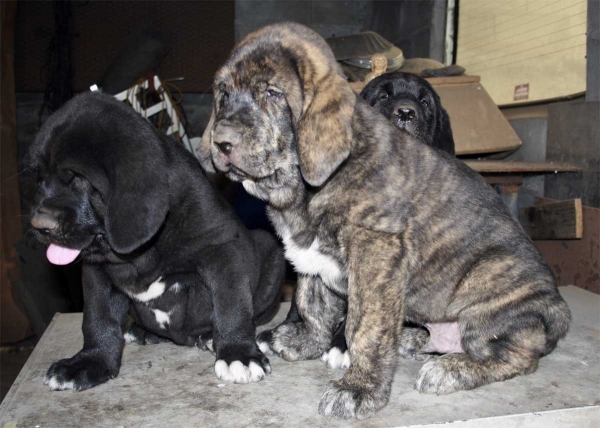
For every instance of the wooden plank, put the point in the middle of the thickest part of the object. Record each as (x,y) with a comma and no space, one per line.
(453,80)
(558,220)
(501,166)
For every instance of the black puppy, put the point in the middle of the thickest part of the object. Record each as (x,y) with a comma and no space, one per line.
(412,105)
(156,241)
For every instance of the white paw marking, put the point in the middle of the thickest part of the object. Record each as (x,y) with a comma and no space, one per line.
(310,261)
(55,385)
(129,338)
(335,359)
(162,318)
(154,290)
(209,345)
(237,372)
(264,348)
(175,287)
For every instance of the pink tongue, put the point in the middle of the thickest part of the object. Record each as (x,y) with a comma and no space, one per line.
(61,255)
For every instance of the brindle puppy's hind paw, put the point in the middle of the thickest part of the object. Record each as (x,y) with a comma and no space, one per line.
(447,374)
(347,402)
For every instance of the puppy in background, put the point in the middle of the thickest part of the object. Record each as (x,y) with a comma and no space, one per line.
(412,105)
(156,242)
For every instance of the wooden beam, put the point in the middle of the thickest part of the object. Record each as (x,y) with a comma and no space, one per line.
(557,220)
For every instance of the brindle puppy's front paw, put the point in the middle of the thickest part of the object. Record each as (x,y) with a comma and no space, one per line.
(411,342)
(79,373)
(291,343)
(241,363)
(346,402)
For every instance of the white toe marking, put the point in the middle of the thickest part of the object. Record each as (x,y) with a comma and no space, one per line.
(55,385)
(154,290)
(129,338)
(335,359)
(209,345)
(162,318)
(237,372)
(175,287)
(264,348)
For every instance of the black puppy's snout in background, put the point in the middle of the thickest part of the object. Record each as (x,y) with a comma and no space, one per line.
(406,114)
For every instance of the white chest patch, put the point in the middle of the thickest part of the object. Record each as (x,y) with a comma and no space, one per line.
(156,289)
(310,261)
(162,318)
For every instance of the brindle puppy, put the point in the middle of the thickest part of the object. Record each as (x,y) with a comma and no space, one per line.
(378,225)
(411,104)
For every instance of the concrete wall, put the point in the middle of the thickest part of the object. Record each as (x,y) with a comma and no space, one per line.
(593,51)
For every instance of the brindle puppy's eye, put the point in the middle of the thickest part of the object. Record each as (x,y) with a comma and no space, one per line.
(274,94)
(424,102)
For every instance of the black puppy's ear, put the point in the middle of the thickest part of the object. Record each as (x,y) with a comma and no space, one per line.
(139,192)
(443,138)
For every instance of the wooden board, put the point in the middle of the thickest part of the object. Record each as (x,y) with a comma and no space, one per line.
(556,220)
(500,166)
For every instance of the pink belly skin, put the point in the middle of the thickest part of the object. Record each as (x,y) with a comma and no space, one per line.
(444,338)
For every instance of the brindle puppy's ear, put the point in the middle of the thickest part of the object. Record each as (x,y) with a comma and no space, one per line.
(139,193)
(325,128)
(203,152)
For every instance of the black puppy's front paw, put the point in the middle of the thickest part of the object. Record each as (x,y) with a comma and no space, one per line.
(241,363)
(79,373)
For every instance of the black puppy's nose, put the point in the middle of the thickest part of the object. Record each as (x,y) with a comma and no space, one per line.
(225,147)
(406,114)
(44,221)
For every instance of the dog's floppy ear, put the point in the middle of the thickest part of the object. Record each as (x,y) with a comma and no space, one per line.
(138,199)
(442,137)
(203,152)
(325,127)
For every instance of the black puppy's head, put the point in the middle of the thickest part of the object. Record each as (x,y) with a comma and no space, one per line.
(413,105)
(101,179)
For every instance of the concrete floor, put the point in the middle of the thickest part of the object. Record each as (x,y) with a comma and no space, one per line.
(167,385)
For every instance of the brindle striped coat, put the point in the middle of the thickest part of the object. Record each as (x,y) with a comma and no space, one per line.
(379,226)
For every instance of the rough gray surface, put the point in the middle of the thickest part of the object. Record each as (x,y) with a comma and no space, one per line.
(167,385)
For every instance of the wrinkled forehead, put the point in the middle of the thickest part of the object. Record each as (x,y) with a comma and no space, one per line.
(271,64)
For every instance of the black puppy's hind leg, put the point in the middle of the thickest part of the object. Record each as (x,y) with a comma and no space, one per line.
(137,334)
(104,313)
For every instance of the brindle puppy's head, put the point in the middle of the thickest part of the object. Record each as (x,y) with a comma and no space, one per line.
(412,105)
(282,112)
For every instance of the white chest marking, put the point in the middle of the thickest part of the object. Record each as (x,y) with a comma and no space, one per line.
(310,261)
(156,289)
(162,318)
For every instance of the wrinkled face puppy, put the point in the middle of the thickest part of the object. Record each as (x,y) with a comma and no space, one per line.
(412,105)
(273,122)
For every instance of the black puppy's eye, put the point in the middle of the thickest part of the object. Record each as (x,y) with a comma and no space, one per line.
(424,102)
(274,94)
(66,176)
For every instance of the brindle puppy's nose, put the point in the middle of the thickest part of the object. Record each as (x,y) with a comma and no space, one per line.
(226,137)
(406,114)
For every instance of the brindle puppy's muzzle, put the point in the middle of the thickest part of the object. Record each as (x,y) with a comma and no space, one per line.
(227,137)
